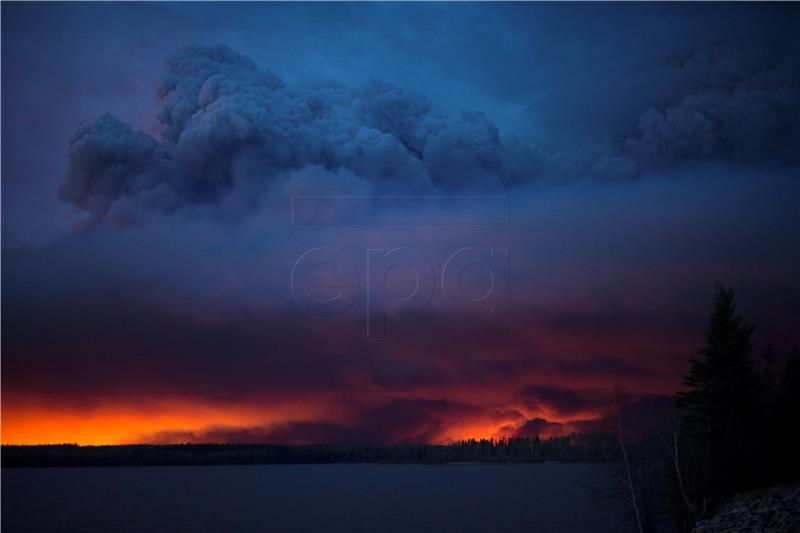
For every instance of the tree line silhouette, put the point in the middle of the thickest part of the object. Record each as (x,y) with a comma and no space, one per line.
(571,448)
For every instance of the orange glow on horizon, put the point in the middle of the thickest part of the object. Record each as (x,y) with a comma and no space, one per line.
(121,425)
(174,422)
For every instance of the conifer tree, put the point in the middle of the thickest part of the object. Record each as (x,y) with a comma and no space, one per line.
(718,406)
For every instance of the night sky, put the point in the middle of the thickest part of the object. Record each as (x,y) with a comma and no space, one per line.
(622,158)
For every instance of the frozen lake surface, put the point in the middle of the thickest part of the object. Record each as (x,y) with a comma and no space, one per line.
(339,497)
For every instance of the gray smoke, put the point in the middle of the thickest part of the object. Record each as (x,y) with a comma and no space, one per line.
(228,132)
(224,124)
(745,107)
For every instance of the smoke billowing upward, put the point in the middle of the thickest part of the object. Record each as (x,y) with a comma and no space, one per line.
(228,131)
(225,127)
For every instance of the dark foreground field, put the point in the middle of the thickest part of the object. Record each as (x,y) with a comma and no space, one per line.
(345,497)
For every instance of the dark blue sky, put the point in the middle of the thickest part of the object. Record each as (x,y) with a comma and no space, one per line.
(150,152)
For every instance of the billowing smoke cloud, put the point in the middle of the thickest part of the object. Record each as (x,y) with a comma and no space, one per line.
(746,107)
(732,101)
(228,132)
(225,125)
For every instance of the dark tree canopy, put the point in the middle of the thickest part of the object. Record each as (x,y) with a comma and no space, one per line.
(735,421)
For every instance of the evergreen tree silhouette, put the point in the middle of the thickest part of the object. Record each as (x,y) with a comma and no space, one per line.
(719,406)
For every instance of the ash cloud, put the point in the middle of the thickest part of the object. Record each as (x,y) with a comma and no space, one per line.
(733,101)
(745,107)
(225,125)
(229,134)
